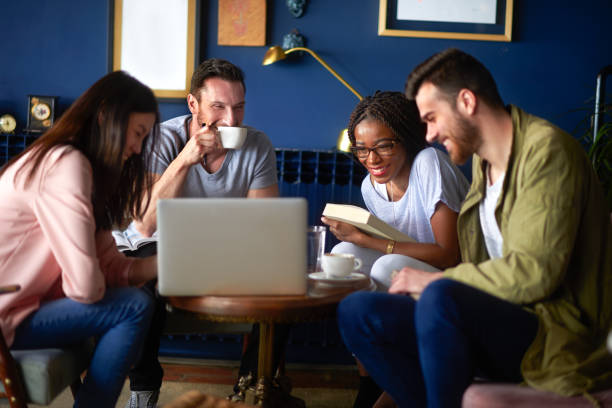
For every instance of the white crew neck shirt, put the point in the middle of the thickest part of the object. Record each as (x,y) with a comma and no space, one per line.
(492,235)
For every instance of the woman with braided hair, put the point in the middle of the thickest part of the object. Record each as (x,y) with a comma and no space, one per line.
(412,187)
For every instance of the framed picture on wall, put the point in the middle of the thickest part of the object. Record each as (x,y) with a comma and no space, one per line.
(242,23)
(155,41)
(484,20)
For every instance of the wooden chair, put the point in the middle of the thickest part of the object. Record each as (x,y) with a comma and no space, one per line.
(502,395)
(39,375)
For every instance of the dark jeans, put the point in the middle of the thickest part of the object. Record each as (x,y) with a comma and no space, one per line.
(427,352)
(147,373)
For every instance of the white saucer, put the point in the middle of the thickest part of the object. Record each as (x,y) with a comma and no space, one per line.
(322,276)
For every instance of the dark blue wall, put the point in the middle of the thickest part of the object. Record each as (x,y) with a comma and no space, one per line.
(60,47)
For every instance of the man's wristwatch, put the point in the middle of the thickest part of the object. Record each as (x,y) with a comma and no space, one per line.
(390,246)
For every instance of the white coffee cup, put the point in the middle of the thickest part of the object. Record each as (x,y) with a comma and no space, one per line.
(339,265)
(232,137)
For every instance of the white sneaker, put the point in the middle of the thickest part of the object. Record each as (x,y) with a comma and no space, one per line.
(143,399)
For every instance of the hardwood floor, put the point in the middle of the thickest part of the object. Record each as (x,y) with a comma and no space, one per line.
(224,372)
(320,386)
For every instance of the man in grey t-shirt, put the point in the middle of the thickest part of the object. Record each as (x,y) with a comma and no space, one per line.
(191,162)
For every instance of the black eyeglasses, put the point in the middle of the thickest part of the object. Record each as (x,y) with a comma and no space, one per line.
(383,149)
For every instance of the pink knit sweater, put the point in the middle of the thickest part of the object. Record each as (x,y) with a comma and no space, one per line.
(48,242)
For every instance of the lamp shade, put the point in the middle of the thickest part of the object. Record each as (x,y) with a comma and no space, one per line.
(274,54)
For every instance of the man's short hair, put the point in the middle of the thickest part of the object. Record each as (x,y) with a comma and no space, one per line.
(452,70)
(215,68)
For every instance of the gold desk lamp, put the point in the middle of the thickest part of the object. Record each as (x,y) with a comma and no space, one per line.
(276,53)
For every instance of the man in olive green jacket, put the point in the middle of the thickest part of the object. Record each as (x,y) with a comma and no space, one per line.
(532,299)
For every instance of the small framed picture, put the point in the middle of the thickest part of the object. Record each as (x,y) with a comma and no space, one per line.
(41,112)
(242,23)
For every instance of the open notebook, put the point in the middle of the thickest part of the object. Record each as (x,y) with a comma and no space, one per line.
(232,246)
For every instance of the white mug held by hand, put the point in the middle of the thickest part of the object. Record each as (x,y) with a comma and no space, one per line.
(340,265)
(232,137)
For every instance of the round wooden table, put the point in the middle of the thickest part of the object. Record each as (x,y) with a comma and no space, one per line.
(318,303)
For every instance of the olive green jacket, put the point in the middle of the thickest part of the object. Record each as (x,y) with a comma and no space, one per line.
(557,255)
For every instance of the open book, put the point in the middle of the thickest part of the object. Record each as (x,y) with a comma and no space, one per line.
(131,239)
(365,221)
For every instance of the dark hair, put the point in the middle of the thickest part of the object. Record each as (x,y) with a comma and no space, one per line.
(452,70)
(215,68)
(399,114)
(96,125)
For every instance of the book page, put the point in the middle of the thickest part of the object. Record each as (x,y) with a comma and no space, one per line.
(121,240)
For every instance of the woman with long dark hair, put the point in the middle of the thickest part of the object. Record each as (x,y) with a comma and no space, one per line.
(59,201)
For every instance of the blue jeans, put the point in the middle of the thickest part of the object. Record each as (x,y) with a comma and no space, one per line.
(427,352)
(119,322)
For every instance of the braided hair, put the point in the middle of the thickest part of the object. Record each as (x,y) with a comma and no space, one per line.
(399,114)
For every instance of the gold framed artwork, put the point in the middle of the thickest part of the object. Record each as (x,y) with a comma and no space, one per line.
(242,22)
(484,20)
(155,41)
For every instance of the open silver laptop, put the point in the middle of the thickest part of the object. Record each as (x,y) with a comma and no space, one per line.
(232,246)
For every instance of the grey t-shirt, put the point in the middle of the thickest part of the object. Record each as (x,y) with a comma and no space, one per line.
(251,167)
(433,179)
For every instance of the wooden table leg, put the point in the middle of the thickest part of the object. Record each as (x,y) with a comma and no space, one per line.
(265,362)
(269,393)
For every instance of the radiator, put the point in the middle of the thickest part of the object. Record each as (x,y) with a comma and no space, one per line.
(13,144)
(320,176)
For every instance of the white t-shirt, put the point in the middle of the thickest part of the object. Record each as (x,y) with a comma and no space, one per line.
(433,179)
(490,230)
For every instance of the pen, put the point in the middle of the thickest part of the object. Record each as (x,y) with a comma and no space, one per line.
(9,288)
